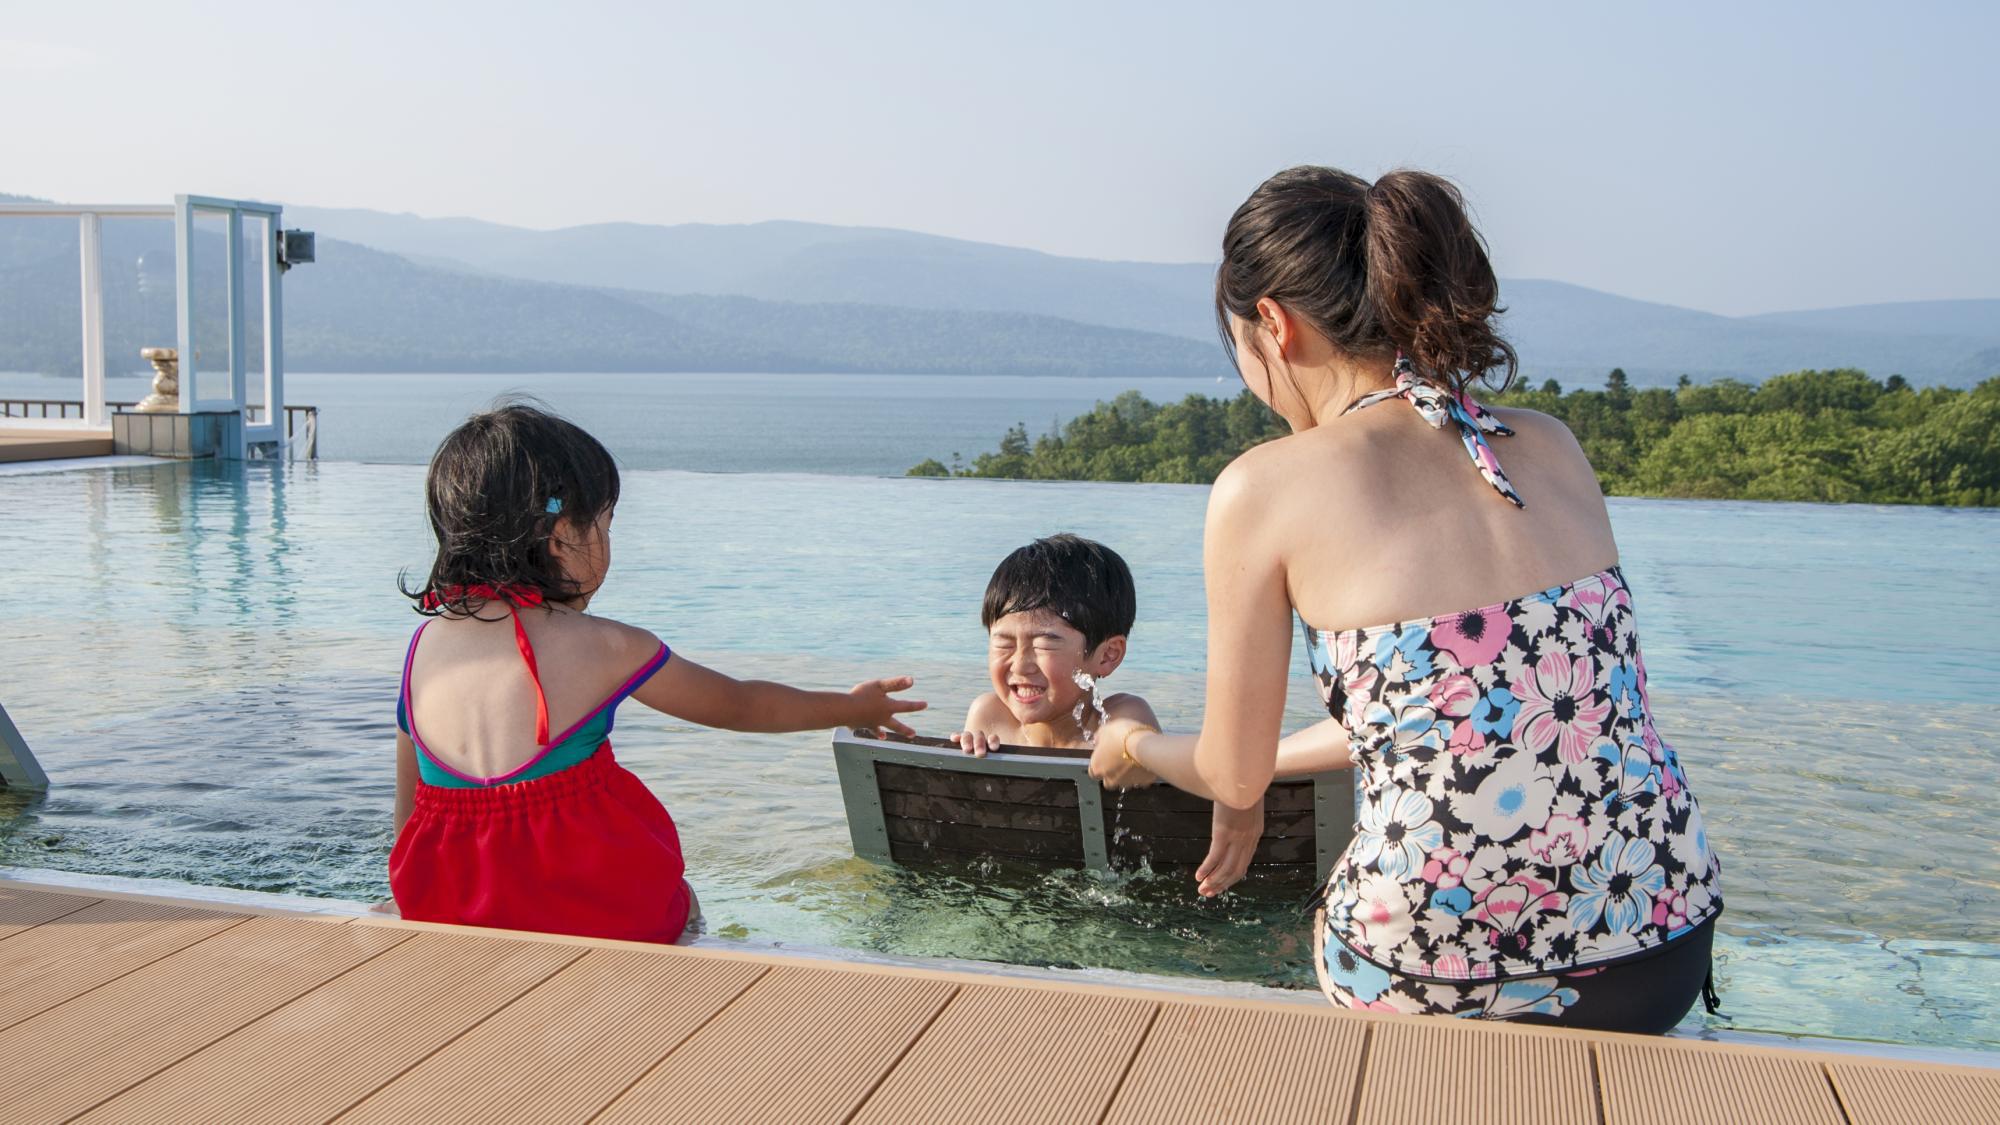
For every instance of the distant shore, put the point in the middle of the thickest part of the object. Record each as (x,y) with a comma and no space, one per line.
(1834,436)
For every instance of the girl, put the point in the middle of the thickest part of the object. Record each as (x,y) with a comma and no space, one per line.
(1528,847)
(499,822)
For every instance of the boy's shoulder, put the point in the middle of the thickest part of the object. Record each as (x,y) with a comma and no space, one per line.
(1125,705)
(987,707)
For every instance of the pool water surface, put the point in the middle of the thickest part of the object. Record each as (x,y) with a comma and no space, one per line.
(205,658)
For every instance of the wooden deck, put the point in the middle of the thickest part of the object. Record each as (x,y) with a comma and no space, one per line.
(117,1008)
(26,445)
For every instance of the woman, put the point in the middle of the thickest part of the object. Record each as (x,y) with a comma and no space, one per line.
(1527,845)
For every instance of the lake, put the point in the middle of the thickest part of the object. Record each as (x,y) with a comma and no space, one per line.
(735,423)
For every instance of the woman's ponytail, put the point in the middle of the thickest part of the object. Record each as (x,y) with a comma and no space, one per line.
(1377,268)
(1430,281)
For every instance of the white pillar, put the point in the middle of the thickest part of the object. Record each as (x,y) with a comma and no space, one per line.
(184,298)
(274,330)
(238,369)
(90,244)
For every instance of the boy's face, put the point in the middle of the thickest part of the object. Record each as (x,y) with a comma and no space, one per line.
(1033,659)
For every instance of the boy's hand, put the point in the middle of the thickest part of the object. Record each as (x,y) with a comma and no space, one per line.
(876,706)
(1232,840)
(1111,761)
(976,743)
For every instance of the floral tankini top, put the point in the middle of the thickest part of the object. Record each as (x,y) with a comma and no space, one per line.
(1518,811)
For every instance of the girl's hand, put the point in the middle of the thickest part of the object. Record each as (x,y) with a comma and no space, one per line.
(875,706)
(976,743)
(1111,758)
(1232,840)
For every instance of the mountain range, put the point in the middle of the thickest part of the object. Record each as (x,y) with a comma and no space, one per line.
(401,292)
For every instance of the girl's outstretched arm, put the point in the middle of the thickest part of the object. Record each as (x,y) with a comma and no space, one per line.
(687,690)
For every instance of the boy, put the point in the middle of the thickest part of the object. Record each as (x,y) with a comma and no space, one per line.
(1057,612)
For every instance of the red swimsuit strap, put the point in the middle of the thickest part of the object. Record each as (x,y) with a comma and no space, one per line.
(511,597)
(534,675)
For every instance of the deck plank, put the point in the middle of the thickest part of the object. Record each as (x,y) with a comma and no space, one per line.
(1649,1081)
(1015,1054)
(77,1054)
(1887,1094)
(1206,1063)
(328,1049)
(138,1008)
(24,910)
(802,1045)
(1426,1069)
(76,952)
(563,1051)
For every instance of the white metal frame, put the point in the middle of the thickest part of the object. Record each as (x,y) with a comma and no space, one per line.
(90,243)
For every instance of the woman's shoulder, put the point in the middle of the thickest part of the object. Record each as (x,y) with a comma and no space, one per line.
(1549,440)
(1521,420)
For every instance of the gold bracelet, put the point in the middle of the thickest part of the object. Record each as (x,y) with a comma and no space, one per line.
(1125,752)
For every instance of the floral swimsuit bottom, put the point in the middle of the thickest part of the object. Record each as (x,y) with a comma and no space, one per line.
(1527,846)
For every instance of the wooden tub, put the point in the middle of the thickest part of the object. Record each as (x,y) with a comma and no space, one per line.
(922,800)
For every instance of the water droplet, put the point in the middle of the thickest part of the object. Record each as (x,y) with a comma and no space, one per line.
(1088,682)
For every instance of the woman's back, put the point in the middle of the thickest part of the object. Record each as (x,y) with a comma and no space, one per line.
(1406,528)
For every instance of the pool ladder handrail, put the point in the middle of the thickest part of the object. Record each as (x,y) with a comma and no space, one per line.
(18,767)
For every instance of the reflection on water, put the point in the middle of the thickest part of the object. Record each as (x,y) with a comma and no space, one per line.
(205,658)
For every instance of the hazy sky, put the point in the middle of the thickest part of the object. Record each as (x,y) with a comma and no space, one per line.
(1733,157)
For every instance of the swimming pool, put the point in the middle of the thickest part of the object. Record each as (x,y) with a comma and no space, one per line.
(205,658)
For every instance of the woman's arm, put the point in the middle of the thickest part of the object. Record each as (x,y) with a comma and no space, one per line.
(1249,640)
(687,690)
(1170,757)
(1323,746)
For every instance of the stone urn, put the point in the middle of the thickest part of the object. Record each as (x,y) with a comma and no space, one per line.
(166,396)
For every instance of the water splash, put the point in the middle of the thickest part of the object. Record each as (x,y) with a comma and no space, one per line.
(1088,683)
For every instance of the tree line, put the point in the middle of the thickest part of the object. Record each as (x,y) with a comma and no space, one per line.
(1830,436)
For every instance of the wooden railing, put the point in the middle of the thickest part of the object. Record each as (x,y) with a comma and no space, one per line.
(301,422)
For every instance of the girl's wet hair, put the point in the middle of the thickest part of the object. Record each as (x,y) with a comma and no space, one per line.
(1083,582)
(498,486)
(1377,268)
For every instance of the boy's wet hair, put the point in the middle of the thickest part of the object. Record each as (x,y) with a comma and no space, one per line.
(1083,582)
(492,486)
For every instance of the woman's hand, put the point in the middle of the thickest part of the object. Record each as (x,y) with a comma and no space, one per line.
(1233,837)
(1111,759)
(876,706)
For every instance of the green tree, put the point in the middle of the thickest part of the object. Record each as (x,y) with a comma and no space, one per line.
(1618,389)
(1807,435)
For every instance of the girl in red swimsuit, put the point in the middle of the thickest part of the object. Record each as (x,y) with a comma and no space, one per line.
(497,822)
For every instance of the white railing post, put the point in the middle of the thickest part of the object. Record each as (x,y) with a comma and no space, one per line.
(90,244)
(274,328)
(238,368)
(184,299)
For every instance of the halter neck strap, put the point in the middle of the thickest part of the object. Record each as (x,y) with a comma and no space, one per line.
(513,597)
(1438,406)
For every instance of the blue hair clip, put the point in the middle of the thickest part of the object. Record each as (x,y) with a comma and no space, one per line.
(555,506)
